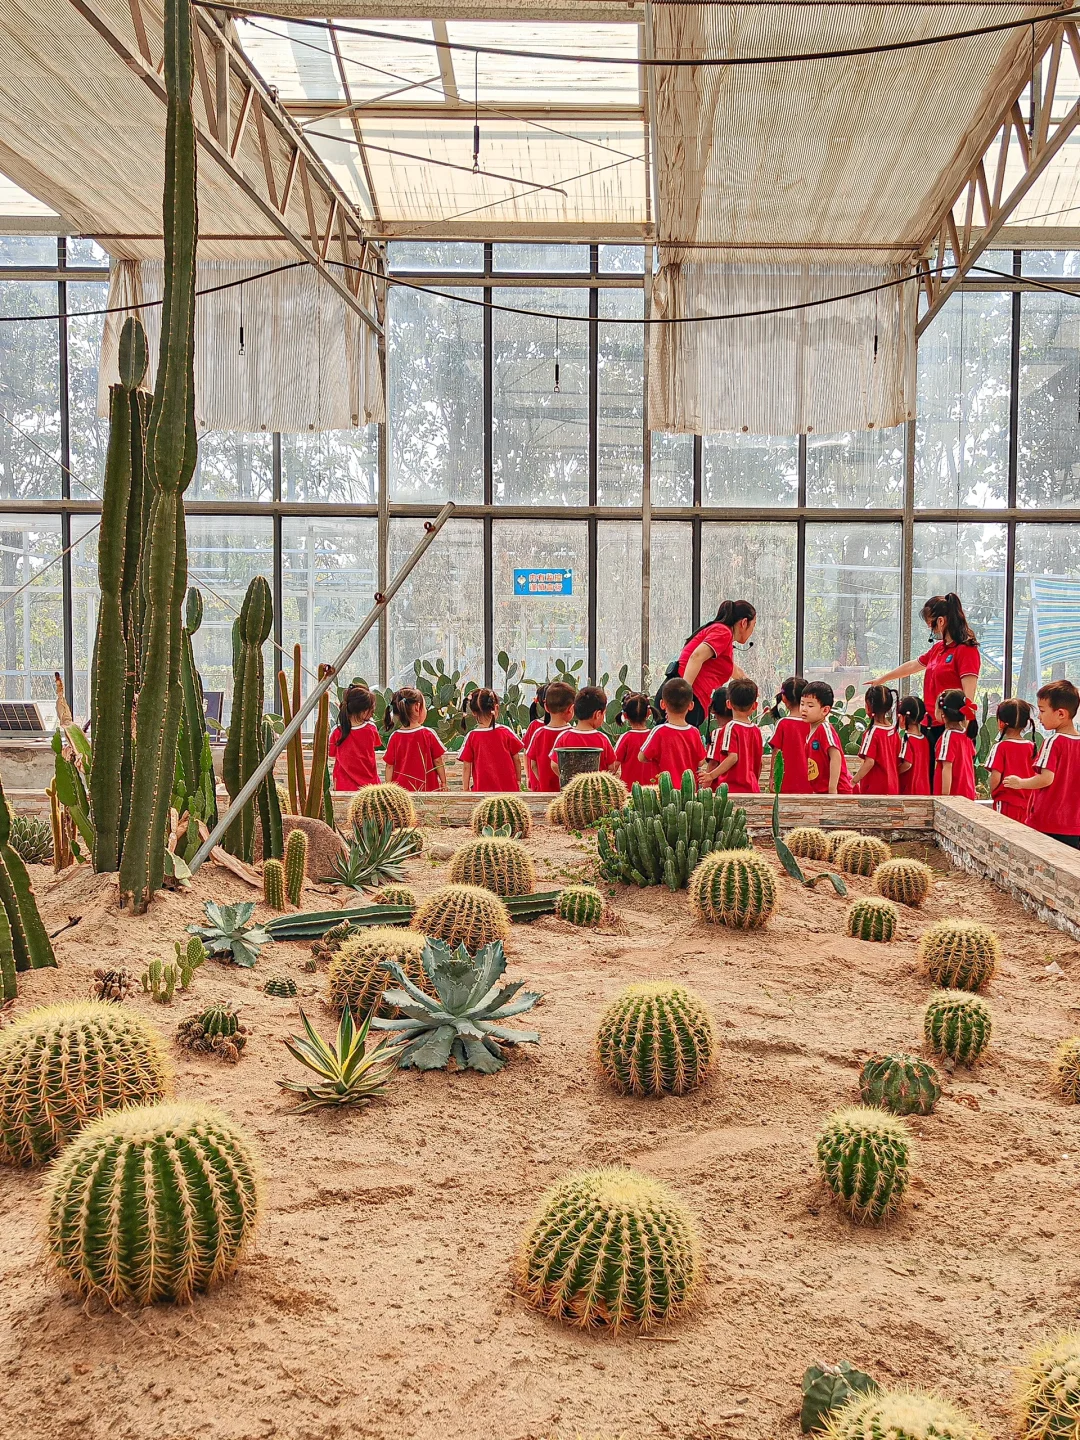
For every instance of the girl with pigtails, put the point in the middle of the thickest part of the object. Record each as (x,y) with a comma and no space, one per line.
(879,753)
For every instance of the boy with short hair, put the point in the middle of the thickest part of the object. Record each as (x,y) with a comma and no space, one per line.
(1055,809)
(674,746)
(590,707)
(559,704)
(735,757)
(826,765)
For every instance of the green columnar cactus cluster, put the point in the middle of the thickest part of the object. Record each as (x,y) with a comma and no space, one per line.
(806,842)
(957,1025)
(498,811)
(1048,1390)
(959,954)
(1066,1070)
(281,987)
(659,837)
(836,838)
(580,905)
(610,1249)
(183,1200)
(588,798)
(395,895)
(901,1415)
(274,884)
(864,1157)
(905,881)
(656,1039)
(383,804)
(357,976)
(871,919)
(244,744)
(495,862)
(733,887)
(296,853)
(31,839)
(62,1066)
(463,915)
(862,855)
(24,941)
(903,1084)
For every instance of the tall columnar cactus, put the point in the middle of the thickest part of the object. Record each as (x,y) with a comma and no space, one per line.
(905,881)
(495,862)
(383,804)
(24,941)
(463,915)
(244,745)
(1047,1403)
(1066,1070)
(656,1039)
(610,1249)
(296,853)
(959,954)
(171,454)
(903,1415)
(195,762)
(733,887)
(957,1025)
(871,919)
(862,855)
(864,1157)
(357,976)
(904,1084)
(498,811)
(62,1066)
(183,1199)
(588,798)
(580,905)
(274,884)
(806,842)
(661,834)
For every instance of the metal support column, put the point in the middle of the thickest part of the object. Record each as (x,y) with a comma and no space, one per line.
(594,409)
(646,482)
(1014,457)
(489,478)
(66,583)
(907,548)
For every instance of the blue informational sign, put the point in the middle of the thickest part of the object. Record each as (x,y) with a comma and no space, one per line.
(543,582)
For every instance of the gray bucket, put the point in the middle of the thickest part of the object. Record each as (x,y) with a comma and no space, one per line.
(577,761)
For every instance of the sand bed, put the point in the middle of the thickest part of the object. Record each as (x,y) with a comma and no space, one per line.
(377,1302)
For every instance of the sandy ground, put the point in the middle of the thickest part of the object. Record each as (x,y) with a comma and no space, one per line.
(376,1301)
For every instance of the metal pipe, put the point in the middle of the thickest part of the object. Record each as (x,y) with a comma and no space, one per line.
(266,765)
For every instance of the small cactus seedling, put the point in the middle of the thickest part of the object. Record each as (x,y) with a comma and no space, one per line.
(957,1025)
(383,804)
(349,1073)
(295,866)
(902,1084)
(907,882)
(555,814)
(160,980)
(864,1157)
(959,954)
(901,1415)
(610,1249)
(495,863)
(357,977)
(395,895)
(871,919)
(588,798)
(863,855)
(498,811)
(274,884)
(656,1039)
(1048,1390)
(580,905)
(806,842)
(281,987)
(1066,1070)
(836,838)
(463,915)
(111,985)
(733,887)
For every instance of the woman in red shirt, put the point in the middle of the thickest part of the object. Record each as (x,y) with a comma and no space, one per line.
(790,737)
(354,741)
(707,658)
(491,756)
(414,754)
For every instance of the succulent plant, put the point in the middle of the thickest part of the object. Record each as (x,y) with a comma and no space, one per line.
(463,915)
(903,1084)
(1066,1071)
(296,853)
(383,805)
(183,1201)
(957,1025)
(864,1157)
(217,1031)
(274,884)
(828,1388)
(24,941)
(358,977)
(733,887)
(656,1039)
(662,832)
(330,943)
(588,798)
(395,895)
(807,842)
(862,855)
(580,905)
(246,743)
(310,965)
(555,814)
(783,851)
(281,987)
(309,925)
(610,1249)
(1048,1390)
(62,1066)
(495,863)
(498,811)
(376,853)
(350,1074)
(463,1020)
(871,919)
(231,933)
(959,954)
(901,1415)
(111,985)
(836,838)
(907,882)
(31,839)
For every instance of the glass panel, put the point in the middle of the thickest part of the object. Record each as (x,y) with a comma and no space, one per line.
(224,556)
(89,435)
(1046,608)
(619,364)
(553,259)
(1000,261)
(622,259)
(750,470)
(670,594)
(541,437)
(438,613)
(29,393)
(232,466)
(672,469)
(293,59)
(962,429)
(852,620)
(507,78)
(32,629)
(85,252)
(1048,467)
(1050,262)
(861,469)
(969,559)
(435,255)
(753,562)
(435,360)
(28,250)
(618,601)
(541,629)
(331,465)
(84,608)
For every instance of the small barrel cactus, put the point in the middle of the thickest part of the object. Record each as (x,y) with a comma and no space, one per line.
(463,915)
(498,811)
(957,1025)
(357,976)
(63,1066)
(394,895)
(806,842)
(580,905)
(959,954)
(656,1039)
(907,882)
(296,853)
(1048,1390)
(152,1203)
(610,1249)
(382,803)
(496,863)
(871,919)
(274,884)
(862,855)
(733,887)
(217,1031)
(836,838)
(588,798)
(863,1157)
(219,1019)
(901,1415)
(904,1084)
(281,987)
(1066,1071)
(555,814)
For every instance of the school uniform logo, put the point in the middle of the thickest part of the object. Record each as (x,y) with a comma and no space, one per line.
(812,771)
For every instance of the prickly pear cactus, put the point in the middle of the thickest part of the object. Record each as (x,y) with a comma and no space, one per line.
(957,1025)
(281,987)
(296,853)
(588,798)
(871,919)
(907,882)
(382,803)
(1066,1070)
(864,1157)
(463,915)
(903,1084)
(901,1415)
(357,976)
(733,887)
(274,884)
(394,895)
(498,811)
(580,905)
(1048,1390)
(806,842)
(496,863)
(656,1039)
(959,954)
(862,855)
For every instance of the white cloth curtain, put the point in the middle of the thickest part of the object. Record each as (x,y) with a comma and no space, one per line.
(309,362)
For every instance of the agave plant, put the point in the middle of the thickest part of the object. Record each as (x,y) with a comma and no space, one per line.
(350,1073)
(463,1021)
(229,931)
(375,855)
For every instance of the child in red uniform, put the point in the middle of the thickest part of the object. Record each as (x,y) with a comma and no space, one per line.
(790,736)
(590,707)
(954,768)
(538,719)
(914,764)
(413,755)
(719,716)
(636,711)
(354,741)
(491,756)
(1055,810)
(675,746)
(826,765)
(879,753)
(738,748)
(1012,754)
(559,703)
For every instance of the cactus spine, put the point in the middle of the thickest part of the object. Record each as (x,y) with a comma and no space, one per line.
(1066,1070)
(183,1201)
(806,842)
(656,1039)
(281,987)
(244,745)
(497,863)
(588,798)
(610,1249)
(733,887)
(1048,1390)
(463,915)
(274,884)
(296,852)
(357,977)
(901,1415)
(580,905)
(661,834)
(903,1084)
(959,954)
(863,1157)
(24,941)
(871,919)
(862,855)
(498,811)
(905,881)
(382,803)
(957,1025)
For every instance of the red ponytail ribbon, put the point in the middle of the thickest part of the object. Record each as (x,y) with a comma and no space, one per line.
(971,710)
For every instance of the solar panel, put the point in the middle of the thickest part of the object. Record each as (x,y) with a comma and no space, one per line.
(20,716)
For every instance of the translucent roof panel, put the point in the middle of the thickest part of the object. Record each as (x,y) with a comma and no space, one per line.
(15,201)
(392,69)
(552,82)
(297,59)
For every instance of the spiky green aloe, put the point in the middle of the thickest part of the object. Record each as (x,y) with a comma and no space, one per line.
(903,1084)
(376,853)
(230,932)
(24,941)
(350,1074)
(864,1158)
(656,1039)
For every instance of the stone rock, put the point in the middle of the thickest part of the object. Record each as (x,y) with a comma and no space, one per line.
(324,844)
